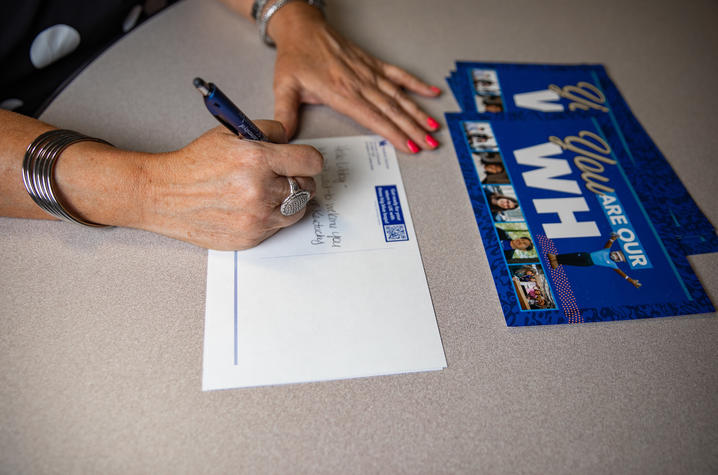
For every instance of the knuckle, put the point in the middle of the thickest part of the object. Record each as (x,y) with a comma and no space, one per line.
(367,72)
(346,85)
(375,115)
(391,89)
(254,194)
(404,98)
(313,160)
(252,153)
(394,106)
(316,162)
(391,107)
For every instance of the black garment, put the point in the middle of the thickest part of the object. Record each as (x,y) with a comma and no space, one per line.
(504,237)
(575,259)
(96,24)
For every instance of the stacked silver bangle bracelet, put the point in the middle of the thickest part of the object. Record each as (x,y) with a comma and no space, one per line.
(263,17)
(38,170)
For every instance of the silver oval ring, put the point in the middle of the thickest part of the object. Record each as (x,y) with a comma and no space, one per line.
(296,200)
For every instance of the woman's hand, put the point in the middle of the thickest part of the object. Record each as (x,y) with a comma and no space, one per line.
(223,192)
(219,192)
(316,65)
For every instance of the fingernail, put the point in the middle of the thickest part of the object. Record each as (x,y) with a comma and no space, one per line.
(432,123)
(435,89)
(431,141)
(412,146)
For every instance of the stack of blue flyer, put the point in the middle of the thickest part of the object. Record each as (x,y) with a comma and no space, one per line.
(582,217)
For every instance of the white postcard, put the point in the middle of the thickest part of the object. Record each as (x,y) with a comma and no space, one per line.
(341,294)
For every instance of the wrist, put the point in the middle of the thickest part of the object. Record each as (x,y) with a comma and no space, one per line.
(101,184)
(293,19)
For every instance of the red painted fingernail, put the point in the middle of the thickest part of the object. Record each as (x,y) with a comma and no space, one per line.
(432,123)
(431,141)
(435,89)
(412,146)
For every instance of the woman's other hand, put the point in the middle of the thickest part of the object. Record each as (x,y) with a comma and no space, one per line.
(316,65)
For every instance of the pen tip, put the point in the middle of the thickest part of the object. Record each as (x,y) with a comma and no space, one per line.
(201,85)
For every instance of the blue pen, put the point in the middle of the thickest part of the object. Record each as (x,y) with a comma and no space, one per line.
(234,119)
(228,114)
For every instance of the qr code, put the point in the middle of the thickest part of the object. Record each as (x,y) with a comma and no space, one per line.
(395,232)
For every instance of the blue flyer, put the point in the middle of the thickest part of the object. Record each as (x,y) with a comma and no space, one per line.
(505,91)
(566,231)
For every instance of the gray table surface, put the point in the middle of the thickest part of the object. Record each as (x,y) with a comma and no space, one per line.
(101,330)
